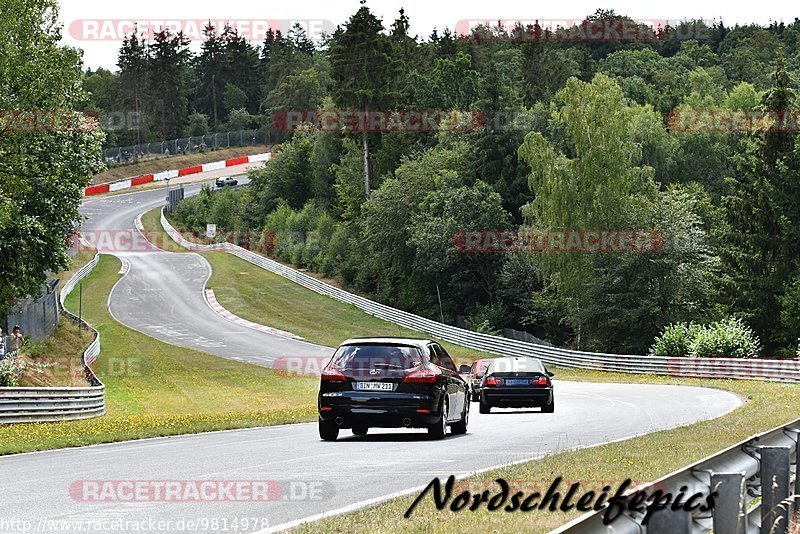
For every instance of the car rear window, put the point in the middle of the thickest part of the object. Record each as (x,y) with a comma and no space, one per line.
(376,356)
(517,365)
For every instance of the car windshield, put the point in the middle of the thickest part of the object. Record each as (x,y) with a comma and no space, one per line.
(376,357)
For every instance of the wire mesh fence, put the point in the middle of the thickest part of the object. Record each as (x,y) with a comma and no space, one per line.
(37,317)
(190,145)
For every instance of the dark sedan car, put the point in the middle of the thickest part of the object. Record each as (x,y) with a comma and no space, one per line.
(517,382)
(222,181)
(392,383)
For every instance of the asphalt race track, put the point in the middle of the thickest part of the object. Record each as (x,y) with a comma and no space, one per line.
(337,474)
(162,293)
(162,296)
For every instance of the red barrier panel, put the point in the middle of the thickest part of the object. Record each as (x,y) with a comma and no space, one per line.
(190,170)
(139,180)
(96,189)
(236,161)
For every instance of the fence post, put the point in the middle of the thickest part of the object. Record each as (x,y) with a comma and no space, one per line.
(775,463)
(797,474)
(729,511)
(669,521)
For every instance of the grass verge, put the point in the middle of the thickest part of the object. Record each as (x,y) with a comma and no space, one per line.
(151,221)
(156,389)
(266,298)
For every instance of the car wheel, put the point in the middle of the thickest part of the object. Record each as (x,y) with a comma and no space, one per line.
(549,408)
(328,430)
(461,426)
(360,430)
(438,430)
(484,408)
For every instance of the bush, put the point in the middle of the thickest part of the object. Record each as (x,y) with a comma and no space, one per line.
(675,340)
(727,338)
(488,319)
(11,370)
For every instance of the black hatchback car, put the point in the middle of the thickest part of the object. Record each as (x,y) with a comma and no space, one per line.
(392,383)
(516,382)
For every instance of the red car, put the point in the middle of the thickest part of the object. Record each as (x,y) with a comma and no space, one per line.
(475,377)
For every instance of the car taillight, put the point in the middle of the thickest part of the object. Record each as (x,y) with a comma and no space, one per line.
(332,374)
(422,376)
(541,381)
(492,381)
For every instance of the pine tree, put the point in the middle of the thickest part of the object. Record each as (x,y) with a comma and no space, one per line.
(761,247)
(132,63)
(209,68)
(363,71)
(169,82)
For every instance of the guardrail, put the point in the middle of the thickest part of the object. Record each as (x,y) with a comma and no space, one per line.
(755,492)
(758,369)
(47,404)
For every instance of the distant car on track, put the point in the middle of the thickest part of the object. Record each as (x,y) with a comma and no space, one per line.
(392,383)
(516,382)
(222,181)
(475,377)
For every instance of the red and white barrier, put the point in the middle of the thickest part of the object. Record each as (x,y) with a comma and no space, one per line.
(118,185)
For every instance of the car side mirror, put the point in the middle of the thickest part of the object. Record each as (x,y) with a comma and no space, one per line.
(550,374)
(464,369)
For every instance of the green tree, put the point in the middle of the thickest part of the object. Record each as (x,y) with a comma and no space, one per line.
(363,69)
(198,124)
(169,80)
(287,178)
(761,246)
(43,168)
(235,98)
(211,75)
(595,183)
(133,80)
(443,214)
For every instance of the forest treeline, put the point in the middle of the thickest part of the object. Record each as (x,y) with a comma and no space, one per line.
(609,135)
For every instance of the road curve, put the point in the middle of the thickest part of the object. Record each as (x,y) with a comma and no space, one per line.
(162,296)
(342,473)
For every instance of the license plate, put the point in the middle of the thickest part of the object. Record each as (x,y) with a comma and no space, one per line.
(517,382)
(374,386)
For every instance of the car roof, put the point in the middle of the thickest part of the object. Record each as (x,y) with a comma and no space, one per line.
(517,363)
(403,341)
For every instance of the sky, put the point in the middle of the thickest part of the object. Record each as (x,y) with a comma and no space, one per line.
(97,27)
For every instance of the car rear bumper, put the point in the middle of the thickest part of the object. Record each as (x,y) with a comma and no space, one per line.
(515,397)
(384,410)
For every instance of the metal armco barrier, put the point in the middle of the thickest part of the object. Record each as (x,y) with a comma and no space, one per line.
(759,467)
(754,369)
(47,404)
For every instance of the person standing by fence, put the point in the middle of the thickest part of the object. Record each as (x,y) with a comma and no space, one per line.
(2,345)
(17,341)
